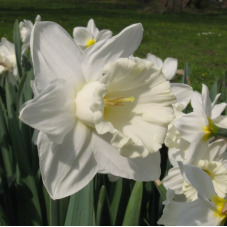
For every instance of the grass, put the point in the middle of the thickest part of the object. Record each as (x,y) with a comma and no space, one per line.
(166,35)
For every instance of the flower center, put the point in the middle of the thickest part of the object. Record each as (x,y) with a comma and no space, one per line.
(208,172)
(90,42)
(210,130)
(117,101)
(221,207)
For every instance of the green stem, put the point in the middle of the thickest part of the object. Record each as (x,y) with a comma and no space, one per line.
(222,132)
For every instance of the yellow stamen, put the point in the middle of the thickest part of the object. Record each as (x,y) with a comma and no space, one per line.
(90,42)
(221,210)
(210,130)
(117,101)
(208,172)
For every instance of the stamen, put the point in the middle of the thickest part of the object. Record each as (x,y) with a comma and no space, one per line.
(117,101)
(6,66)
(90,42)
(210,130)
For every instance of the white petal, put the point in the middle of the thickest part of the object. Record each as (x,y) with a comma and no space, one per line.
(174,180)
(38,18)
(34,89)
(217,110)
(183,92)
(120,46)
(177,150)
(157,61)
(52,111)
(196,150)
(113,178)
(104,34)
(81,35)
(216,151)
(171,213)
(197,105)
(170,68)
(68,167)
(200,180)
(25,31)
(220,121)
(189,126)
(6,47)
(55,55)
(139,169)
(215,100)
(198,213)
(25,47)
(206,101)
(92,28)
(2,69)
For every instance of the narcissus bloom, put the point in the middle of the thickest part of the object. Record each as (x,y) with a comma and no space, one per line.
(213,162)
(97,111)
(202,124)
(168,67)
(25,32)
(87,36)
(208,210)
(8,58)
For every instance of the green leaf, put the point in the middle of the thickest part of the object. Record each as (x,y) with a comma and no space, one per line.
(132,214)
(17,46)
(214,90)
(31,205)
(100,204)
(187,73)
(80,210)
(115,196)
(54,212)
(21,84)
(3,219)
(4,141)
(161,190)
(63,206)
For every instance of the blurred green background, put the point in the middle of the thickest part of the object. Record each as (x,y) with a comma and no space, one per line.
(165,35)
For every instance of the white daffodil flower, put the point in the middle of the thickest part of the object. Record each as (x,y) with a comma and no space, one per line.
(213,162)
(25,32)
(8,58)
(168,67)
(86,37)
(202,124)
(93,107)
(208,210)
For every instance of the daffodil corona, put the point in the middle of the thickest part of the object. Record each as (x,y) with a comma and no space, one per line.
(97,111)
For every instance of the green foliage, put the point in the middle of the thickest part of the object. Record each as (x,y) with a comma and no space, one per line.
(132,214)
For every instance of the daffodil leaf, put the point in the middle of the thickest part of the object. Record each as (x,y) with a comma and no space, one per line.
(115,196)
(3,220)
(80,209)
(4,140)
(21,84)
(214,89)
(17,46)
(30,209)
(100,204)
(132,214)
(161,190)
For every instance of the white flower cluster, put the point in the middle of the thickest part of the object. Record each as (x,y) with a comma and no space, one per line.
(199,160)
